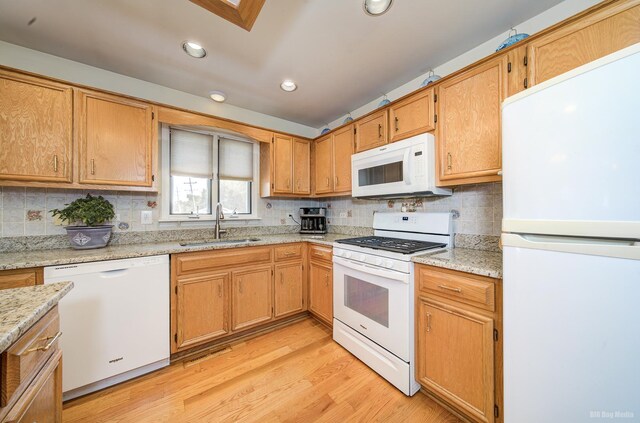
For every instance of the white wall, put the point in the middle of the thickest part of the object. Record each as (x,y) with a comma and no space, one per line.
(35,61)
(544,20)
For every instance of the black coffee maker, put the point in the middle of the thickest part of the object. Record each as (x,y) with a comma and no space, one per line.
(313,220)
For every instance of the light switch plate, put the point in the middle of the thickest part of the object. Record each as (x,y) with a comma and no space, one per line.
(146,217)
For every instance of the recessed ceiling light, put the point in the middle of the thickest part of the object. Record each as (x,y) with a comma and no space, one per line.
(288,85)
(218,96)
(376,7)
(194,49)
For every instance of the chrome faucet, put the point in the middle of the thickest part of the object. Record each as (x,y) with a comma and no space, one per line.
(219,216)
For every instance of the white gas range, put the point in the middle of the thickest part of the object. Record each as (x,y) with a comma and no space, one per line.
(373,298)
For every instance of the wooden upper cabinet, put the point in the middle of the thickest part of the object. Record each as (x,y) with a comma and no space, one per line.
(323,165)
(469,124)
(36,121)
(251,297)
(343,144)
(456,357)
(116,139)
(282,164)
(202,310)
(301,166)
(412,116)
(371,131)
(517,64)
(605,31)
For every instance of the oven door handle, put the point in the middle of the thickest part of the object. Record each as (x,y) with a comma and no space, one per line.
(372,270)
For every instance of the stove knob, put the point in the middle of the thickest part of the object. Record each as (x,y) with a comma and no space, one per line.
(362,257)
(378,262)
(347,254)
(388,264)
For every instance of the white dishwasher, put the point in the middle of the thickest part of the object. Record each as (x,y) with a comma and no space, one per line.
(115,321)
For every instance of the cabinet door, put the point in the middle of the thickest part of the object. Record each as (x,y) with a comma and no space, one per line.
(517,64)
(282,164)
(36,120)
(324,160)
(251,295)
(116,137)
(288,289)
(371,131)
(321,291)
(455,356)
(469,124)
(343,141)
(202,308)
(610,29)
(301,166)
(412,116)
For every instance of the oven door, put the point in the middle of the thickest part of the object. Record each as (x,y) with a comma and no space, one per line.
(375,302)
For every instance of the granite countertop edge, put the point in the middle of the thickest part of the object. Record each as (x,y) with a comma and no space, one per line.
(41,258)
(31,314)
(477,262)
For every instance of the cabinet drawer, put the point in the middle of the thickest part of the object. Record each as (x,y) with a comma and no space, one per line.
(318,252)
(21,277)
(474,290)
(22,361)
(288,252)
(192,262)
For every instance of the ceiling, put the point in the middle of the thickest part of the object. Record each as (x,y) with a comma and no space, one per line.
(340,57)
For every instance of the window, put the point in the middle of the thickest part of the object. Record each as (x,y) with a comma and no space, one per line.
(201,169)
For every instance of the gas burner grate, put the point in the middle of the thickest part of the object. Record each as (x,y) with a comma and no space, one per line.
(397,245)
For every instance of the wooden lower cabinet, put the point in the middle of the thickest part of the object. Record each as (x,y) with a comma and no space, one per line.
(21,277)
(251,293)
(202,308)
(458,355)
(288,289)
(321,290)
(220,293)
(31,375)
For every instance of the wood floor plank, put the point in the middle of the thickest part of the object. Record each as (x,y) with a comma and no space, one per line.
(294,374)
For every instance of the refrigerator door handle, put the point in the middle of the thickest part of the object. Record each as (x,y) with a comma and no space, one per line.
(626,249)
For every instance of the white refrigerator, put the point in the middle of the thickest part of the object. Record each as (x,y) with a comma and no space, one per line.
(571,231)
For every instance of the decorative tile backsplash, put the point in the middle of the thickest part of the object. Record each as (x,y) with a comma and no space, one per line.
(477,209)
(26,211)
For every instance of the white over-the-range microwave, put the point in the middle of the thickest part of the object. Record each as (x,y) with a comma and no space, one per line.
(403,169)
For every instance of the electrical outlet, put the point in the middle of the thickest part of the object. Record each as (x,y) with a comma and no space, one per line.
(146,217)
(343,214)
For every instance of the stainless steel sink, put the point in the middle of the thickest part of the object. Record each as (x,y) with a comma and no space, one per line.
(218,242)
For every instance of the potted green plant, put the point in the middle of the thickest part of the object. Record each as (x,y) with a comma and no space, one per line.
(87,217)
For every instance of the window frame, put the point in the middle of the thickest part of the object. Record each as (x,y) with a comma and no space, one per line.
(165,180)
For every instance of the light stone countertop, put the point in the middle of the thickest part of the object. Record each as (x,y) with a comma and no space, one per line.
(478,262)
(21,308)
(54,257)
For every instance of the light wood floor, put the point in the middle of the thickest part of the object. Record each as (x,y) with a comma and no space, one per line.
(294,374)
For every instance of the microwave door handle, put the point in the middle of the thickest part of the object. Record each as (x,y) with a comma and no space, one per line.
(406,167)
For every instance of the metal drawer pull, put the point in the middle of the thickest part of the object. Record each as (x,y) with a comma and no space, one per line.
(55,163)
(379,130)
(397,120)
(93,167)
(51,339)
(428,322)
(448,288)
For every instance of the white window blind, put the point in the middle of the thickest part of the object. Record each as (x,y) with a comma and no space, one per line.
(235,160)
(191,154)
